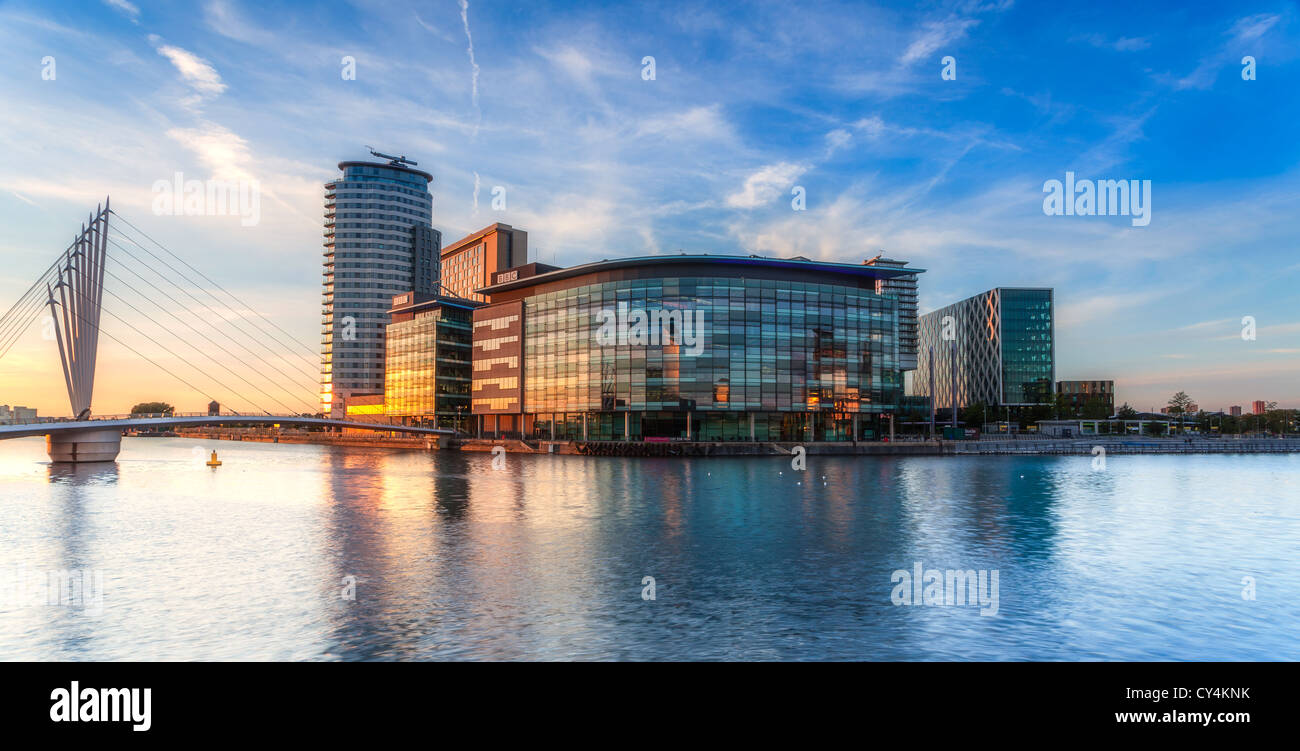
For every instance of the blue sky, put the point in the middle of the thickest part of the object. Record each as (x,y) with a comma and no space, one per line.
(749,100)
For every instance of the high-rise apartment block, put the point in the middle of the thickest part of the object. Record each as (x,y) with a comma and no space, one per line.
(379,242)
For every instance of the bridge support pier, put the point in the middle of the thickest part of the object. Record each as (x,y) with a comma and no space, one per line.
(78,446)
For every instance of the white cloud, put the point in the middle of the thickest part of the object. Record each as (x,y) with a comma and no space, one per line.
(763,186)
(1246,32)
(124,6)
(697,122)
(1253,27)
(196,71)
(432,29)
(936,35)
(836,140)
(1123,44)
(223,152)
(873,126)
(224,19)
(1131,44)
(571,62)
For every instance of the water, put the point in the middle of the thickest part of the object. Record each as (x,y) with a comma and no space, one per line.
(545,559)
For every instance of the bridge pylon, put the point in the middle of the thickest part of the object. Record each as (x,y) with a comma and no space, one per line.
(75,301)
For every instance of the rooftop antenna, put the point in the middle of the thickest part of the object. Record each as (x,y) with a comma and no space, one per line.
(396,161)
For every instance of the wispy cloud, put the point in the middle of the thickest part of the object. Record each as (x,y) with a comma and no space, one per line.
(705,122)
(473,64)
(1243,38)
(194,70)
(1122,44)
(571,62)
(125,7)
(764,185)
(935,35)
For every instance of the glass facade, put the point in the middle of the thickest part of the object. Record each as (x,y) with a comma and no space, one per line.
(1027,368)
(781,360)
(427,378)
(994,348)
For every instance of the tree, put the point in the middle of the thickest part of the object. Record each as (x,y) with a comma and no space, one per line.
(1126,412)
(1095,409)
(1179,403)
(975,415)
(152,408)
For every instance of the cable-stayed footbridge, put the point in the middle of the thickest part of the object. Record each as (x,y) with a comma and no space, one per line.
(239,356)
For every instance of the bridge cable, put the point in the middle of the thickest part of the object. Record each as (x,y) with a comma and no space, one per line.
(236,315)
(196,349)
(18,318)
(18,323)
(19,330)
(182,359)
(245,347)
(313,353)
(9,318)
(145,357)
(210,325)
(291,394)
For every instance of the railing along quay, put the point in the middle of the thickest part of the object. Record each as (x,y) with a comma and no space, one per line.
(1073,446)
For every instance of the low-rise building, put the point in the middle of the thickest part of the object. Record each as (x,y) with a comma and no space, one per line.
(1080,393)
(16,414)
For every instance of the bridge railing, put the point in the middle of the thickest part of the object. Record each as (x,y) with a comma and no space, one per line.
(226,415)
(138,416)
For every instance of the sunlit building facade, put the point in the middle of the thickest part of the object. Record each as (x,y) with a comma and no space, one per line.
(469,264)
(713,348)
(996,348)
(428,360)
(378,243)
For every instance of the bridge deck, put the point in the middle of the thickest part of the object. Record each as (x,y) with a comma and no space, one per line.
(149,423)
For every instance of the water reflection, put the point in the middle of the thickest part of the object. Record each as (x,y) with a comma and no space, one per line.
(545,558)
(96,473)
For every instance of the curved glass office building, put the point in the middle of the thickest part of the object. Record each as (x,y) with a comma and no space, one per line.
(713,348)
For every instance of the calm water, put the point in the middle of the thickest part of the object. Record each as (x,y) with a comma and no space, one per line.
(545,559)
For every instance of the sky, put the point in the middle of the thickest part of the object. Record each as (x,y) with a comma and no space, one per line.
(854,107)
